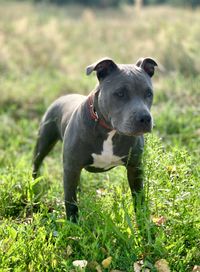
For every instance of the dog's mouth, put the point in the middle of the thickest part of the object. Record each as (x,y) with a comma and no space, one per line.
(133,133)
(132,129)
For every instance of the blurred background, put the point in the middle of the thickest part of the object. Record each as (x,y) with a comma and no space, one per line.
(46,45)
(115,3)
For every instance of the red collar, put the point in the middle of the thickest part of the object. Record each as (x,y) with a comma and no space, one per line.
(93,114)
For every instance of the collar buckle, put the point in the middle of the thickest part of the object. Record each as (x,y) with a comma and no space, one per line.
(94,114)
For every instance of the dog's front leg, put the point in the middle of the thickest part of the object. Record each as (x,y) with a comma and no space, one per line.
(135,179)
(71,180)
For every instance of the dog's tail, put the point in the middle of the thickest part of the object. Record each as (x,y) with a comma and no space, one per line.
(48,136)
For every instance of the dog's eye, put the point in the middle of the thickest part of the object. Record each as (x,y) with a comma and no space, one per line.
(120,93)
(149,93)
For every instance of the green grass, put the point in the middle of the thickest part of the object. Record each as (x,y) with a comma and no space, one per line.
(44,51)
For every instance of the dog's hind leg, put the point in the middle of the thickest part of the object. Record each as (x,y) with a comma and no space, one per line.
(47,138)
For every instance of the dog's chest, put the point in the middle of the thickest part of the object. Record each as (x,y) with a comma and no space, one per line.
(107,159)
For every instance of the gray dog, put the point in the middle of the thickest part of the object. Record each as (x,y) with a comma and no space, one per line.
(101,130)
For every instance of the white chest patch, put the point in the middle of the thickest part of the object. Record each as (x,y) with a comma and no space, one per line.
(106,159)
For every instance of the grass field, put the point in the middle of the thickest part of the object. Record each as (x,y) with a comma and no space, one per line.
(43,54)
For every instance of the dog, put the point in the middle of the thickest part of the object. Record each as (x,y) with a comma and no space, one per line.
(102,130)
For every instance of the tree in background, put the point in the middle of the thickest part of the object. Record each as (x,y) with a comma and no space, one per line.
(192,3)
(98,3)
(115,3)
(139,4)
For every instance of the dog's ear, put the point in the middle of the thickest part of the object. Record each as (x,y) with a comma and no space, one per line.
(103,68)
(148,65)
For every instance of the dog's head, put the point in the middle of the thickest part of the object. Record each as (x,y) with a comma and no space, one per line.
(125,94)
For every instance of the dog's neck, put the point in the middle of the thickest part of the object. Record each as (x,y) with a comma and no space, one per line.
(95,112)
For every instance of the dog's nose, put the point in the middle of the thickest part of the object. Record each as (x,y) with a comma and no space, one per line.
(145,119)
